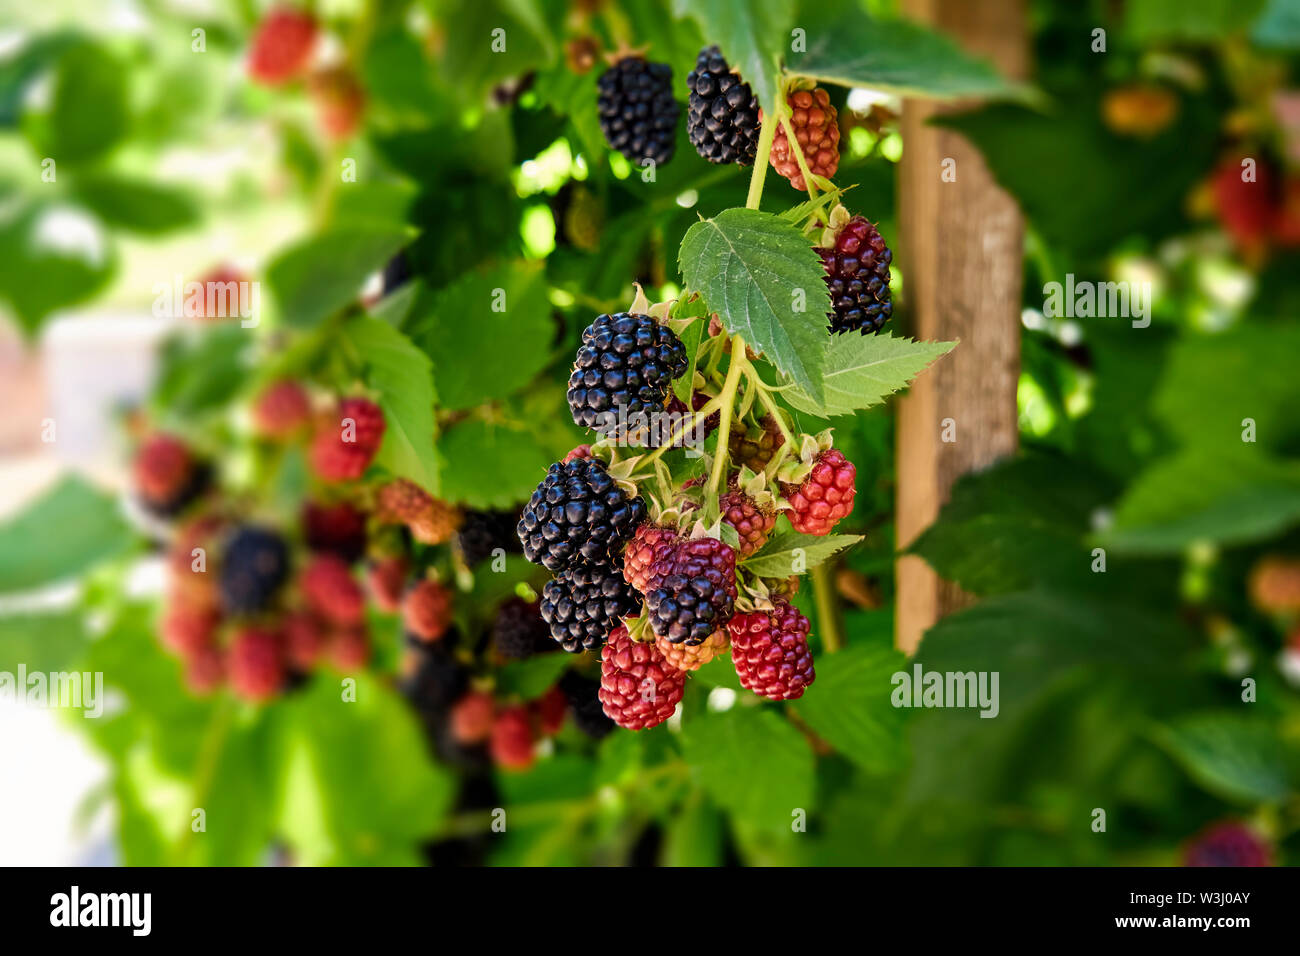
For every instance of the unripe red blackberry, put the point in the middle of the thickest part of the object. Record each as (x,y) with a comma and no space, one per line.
(185,629)
(548,711)
(857,276)
(624,368)
(304,640)
(687,657)
(770,651)
(585,602)
(348,648)
(817,130)
(254,564)
(404,502)
(722,118)
(281,411)
(337,529)
(339,100)
(330,590)
(167,475)
(638,687)
(578,451)
(824,497)
(638,114)
(578,513)
(386,581)
(1228,843)
(519,631)
(345,441)
(512,739)
(753,524)
(1274,584)
(256,664)
(282,46)
(426,610)
(698,594)
(205,670)
(472,717)
(649,556)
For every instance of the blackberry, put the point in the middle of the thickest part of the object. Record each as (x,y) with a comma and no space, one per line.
(519,630)
(698,594)
(335,529)
(638,114)
(825,495)
(638,687)
(624,367)
(482,532)
(1228,843)
(253,567)
(770,652)
(817,135)
(432,679)
(167,475)
(722,119)
(583,604)
(857,275)
(577,512)
(588,715)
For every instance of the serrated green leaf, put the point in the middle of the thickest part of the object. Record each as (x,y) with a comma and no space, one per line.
(753,268)
(861,370)
(320,275)
(402,375)
(487,334)
(65,531)
(793,553)
(753,763)
(1234,756)
(136,205)
(899,56)
(849,706)
(490,466)
(751,33)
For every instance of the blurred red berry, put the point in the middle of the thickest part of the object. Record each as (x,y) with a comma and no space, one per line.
(304,640)
(339,101)
(282,46)
(346,441)
(1228,843)
(386,580)
(331,591)
(338,529)
(282,410)
(256,664)
(512,739)
(426,610)
(472,717)
(549,709)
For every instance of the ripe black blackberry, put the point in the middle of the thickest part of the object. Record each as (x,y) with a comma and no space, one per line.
(638,114)
(482,532)
(588,714)
(722,118)
(698,594)
(624,368)
(254,564)
(578,512)
(519,630)
(432,678)
(857,275)
(583,604)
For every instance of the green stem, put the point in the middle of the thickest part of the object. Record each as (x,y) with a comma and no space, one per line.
(709,407)
(205,770)
(727,397)
(798,156)
(771,408)
(827,613)
(765,136)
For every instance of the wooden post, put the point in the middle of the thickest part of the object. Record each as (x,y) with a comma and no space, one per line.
(962,272)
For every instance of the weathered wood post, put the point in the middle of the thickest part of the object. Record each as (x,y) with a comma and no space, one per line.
(961,241)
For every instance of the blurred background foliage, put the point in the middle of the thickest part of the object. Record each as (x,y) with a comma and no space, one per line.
(1120,691)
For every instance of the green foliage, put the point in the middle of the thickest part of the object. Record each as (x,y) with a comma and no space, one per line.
(322,274)
(490,466)
(751,33)
(862,370)
(851,709)
(68,530)
(1233,756)
(793,553)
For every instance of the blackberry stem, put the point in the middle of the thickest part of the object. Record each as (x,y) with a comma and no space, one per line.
(766,134)
(775,412)
(799,157)
(728,397)
(827,620)
(709,407)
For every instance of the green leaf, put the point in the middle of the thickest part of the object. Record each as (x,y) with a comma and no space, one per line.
(402,375)
(861,370)
(322,274)
(749,265)
(849,706)
(790,553)
(1208,21)
(487,334)
(358,786)
(1236,757)
(899,56)
(43,642)
(88,112)
(531,678)
(490,466)
(1229,495)
(695,835)
(691,337)
(38,274)
(1279,26)
(751,33)
(753,763)
(199,373)
(70,528)
(136,205)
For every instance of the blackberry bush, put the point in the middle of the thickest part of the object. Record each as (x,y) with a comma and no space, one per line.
(638,113)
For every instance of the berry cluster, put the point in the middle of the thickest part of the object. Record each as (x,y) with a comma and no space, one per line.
(638,114)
